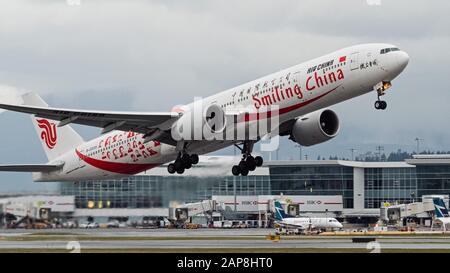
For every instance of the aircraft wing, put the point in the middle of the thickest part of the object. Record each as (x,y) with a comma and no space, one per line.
(30,168)
(148,123)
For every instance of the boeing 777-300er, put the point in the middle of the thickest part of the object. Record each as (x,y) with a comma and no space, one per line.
(132,142)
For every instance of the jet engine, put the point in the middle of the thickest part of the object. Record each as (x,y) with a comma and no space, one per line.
(200,124)
(315,128)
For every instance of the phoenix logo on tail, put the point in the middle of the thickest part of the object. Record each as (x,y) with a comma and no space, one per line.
(48,133)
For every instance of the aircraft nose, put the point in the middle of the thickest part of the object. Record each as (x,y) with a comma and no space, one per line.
(402,59)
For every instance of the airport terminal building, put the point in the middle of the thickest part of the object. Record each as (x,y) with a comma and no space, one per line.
(350,190)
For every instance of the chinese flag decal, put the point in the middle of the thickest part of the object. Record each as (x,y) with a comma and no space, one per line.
(342,59)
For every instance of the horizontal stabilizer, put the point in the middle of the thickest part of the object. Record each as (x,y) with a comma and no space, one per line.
(30,168)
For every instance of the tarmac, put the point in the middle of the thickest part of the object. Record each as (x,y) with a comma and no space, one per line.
(206,239)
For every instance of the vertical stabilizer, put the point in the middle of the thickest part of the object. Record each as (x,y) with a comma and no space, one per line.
(55,140)
(279,211)
(439,208)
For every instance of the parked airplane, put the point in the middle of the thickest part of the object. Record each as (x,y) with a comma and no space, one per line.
(441,213)
(303,223)
(133,142)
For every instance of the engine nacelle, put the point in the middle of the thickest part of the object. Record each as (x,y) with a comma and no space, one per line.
(315,128)
(200,123)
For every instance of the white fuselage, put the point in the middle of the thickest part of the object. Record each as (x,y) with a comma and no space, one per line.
(298,90)
(311,223)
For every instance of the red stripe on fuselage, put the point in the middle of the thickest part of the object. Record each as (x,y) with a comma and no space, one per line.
(115,167)
(268,114)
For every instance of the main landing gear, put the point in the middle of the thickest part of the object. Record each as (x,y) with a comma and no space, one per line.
(184,161)
(248,162)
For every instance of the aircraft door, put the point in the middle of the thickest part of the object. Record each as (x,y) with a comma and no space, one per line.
(354,61)
(293,209)
(44,213)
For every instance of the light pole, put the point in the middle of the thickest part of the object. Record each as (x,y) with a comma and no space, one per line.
(234,193)
(300,151)
(379,149)
(353,153)
(418,140)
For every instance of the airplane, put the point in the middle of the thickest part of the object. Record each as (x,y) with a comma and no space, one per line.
(303,223)
(441,213)
(132,142)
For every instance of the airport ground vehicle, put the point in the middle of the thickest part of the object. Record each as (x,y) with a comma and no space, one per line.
(89,225)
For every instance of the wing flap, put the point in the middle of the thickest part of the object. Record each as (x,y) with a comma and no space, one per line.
(30,168)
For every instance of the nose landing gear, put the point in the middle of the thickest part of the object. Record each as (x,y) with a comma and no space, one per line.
(381,88)
(380,104)
(248,162)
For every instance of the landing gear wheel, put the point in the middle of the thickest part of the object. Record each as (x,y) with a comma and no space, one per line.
(194,159)
(243,166)
(380,105)
(259,161)
(180,171)
(171,168)
(185,159)
(248,162)
(236,170)
(251,164)
(178,164)
(377,105)
(188,165)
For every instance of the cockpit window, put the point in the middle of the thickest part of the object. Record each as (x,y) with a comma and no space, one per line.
(386,50)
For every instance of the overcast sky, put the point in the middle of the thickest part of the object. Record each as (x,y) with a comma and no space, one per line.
(151,55)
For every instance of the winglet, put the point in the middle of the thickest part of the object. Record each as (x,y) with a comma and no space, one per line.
(10,95)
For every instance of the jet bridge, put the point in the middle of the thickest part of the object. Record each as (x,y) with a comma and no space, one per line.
(423,211)
(30,210)
(182,214)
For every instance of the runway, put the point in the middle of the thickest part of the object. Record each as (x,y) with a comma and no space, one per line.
(221,244)
(205,240)
(143,232)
